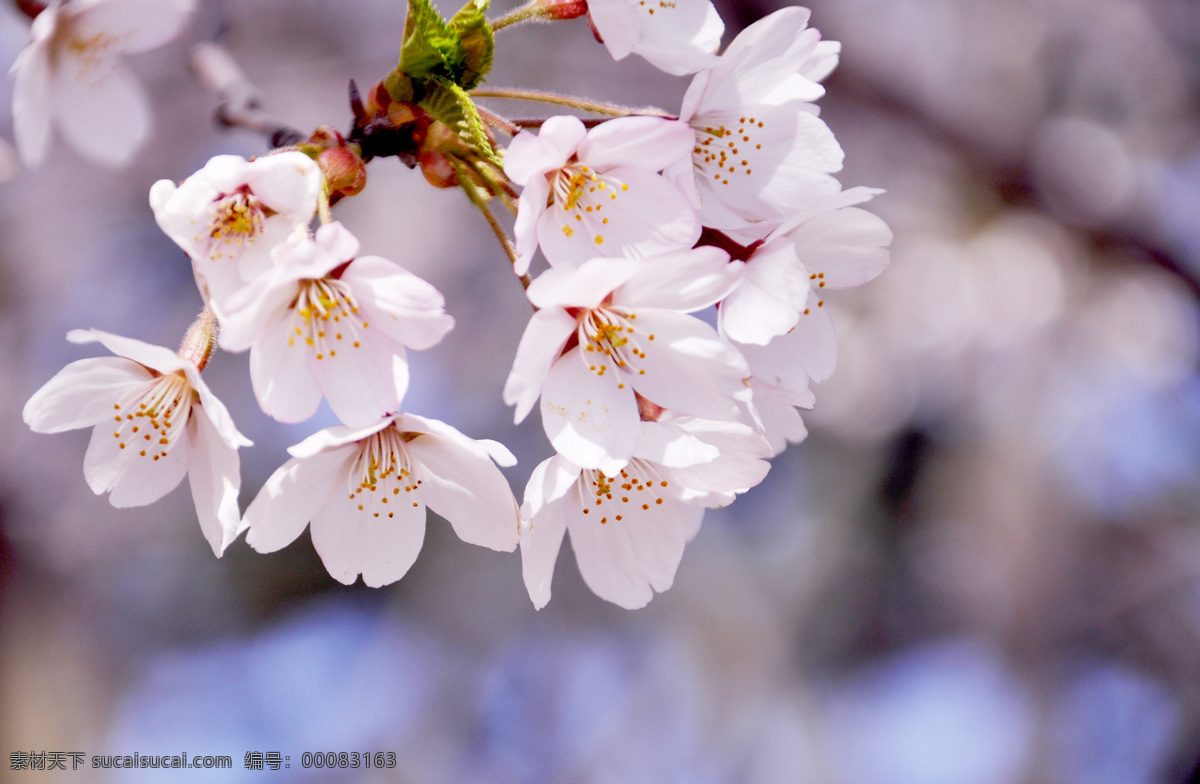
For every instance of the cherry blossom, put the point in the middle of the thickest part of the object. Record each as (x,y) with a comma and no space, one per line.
(760,152)
(614,327)
(325,322)
(154,420)
(628,528)
(597,193)
(365,491)
(677,36)
(789,273)
(230,216)
(70,75)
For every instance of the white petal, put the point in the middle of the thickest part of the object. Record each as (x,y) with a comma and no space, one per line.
(688,367)
(351,541)
(693,516)
(154,357)
(543,341)
(283,384)
(215,477)
(134,25)
(253,310)
(669,445)
(83,393)
(529,156)
(618,25)
(215,411)
(624,561)
(147,474)
(468,491)
(409,310)
(287,182)
(101,110)
(530,207)
(685,281)
(31,102)
(766,53)
(643,142)
(336,436)
(844,248)
(585,286)
(591,420)
(739,465)
(772,294)
(681,36)
(541,537)
(815,341)
(293,495)
(636,214)
(483,447)
(363,383)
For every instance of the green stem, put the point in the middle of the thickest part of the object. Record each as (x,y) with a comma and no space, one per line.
(497,229)
(530,10)
(612,110)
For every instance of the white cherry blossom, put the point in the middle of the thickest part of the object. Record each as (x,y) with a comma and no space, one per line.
(628,529)
(70,75)
(614,327)
(788,274)
(760,152)
(230,216)
(365,492)
(325,322)
(677,36)
(154,420)
(598,192)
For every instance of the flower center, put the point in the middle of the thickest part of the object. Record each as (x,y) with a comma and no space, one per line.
(581,194)
(720,151)
(150,423)
(382,471)
(609,333)
(327,318)
(636,491)
(234,221)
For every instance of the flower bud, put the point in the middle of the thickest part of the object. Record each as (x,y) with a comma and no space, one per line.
(345,172)
(562,9)
(200,340)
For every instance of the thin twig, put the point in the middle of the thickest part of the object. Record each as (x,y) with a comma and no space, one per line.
(496,121)
(469,188)
(583,104)
(239,107)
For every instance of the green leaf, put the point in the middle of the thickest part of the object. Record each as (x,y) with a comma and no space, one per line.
(449,103)
(475,43)
(430,47)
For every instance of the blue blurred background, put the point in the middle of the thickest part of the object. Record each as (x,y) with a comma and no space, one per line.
(983,567)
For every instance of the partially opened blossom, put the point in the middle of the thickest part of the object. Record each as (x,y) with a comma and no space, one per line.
(788,274)
(325,322)
(365,492)
(614,327)
(230,216)
(598,192)
(628,528)
(760,152)
(70,75)
(154,420)
(677,36)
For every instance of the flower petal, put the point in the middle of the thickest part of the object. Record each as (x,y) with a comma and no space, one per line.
(133,25)
(681,37)
(283,384)
(548,331)
(353,541)
(643,142)
(287,182)
(591,420)
(31,107)
(770,298)
(406,308)
(584,286)
(529,156)
(101,110)
(686,280)
(214,474)
(764,55)
(844,248)
(468,491)
(293,495)
(147,474)
(83,393)
(625,561)
(543,526)
(362,384)
(688,368)
(154,357)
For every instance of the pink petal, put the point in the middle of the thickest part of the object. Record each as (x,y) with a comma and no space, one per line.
(686,280)
(406,308)
(583,287)
(83,393)
(591,420)
(154,357)
(540,346)
(529,156)
(285,388)
(215,477)
(351,541)
(542,531)
(101,110)
(642,142)
(31,102)
(844,248)
(363,383)
(468,491)
(136,25)
(293,495)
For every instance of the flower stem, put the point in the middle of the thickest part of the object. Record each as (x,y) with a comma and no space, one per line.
(496,121)
(497,229)
(612,110)
(323,204)
(523,14)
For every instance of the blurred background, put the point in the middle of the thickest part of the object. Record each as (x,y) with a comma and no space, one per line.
(983,566)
